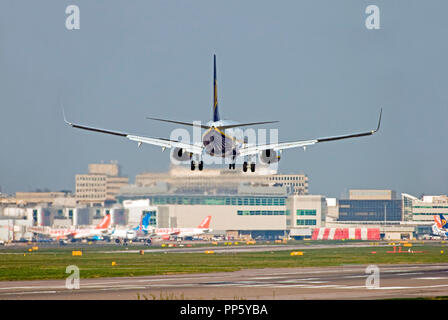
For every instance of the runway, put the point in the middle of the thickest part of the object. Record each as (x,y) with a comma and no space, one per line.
(343,282)
(247,248)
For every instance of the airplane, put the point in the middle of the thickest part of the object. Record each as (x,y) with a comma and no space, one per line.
(166,233)
(74,233)
(218,142)
(97,232)
(138,233)
(439,227)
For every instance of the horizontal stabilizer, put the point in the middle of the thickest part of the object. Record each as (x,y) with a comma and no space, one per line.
(244,125)
(182,123)
(203,126)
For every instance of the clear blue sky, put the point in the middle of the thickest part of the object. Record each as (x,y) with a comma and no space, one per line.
(312,65)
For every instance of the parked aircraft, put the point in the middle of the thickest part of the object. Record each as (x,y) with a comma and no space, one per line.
(74,233)
(138,233)
(166,233)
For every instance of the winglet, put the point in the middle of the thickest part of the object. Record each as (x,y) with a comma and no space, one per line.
(63,114)
(379,122)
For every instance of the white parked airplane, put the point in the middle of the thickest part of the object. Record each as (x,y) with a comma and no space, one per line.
(138,233)
(166,233)
(74,233)
(217,143)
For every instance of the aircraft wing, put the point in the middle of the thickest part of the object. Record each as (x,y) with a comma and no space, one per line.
(255,149)
(161,142)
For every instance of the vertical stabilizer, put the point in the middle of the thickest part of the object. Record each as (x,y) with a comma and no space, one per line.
(104,224)
(205,224)
(215,92)
(443,221)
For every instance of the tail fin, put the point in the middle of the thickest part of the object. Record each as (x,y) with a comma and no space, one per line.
(215,92)
(438,222)
(104,224)
(205,224)
(443,221)
(145,221)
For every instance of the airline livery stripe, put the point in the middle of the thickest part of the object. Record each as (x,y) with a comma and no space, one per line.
(331,234)
(364,234)
(320,234)
(351,233)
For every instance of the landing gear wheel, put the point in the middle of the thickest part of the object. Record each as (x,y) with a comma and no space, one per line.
(193,166)
(252,167)
(201,165)
(245,166)
(232,166)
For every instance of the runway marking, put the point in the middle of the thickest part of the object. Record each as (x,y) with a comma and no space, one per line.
(124,286)
(222,285)
(431,278)
(293,281)
(411,287)
(258,285)
(28,292)
(394,270)
(392,288)
(265,278)
(408,273)
(324,286)
(289,285)
(34,287)
(172,279)
(115,289)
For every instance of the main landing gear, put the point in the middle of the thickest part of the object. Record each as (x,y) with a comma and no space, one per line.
(245,166)
(200,165)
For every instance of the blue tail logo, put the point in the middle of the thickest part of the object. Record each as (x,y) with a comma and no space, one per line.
(144,223)
(443,221)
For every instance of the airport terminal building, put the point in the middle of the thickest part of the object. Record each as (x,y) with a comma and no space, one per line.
(260,210)
(260,205)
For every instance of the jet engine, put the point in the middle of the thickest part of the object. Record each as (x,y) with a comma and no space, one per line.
(269,156)
(181,155)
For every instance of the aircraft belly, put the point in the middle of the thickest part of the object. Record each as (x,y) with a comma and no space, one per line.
(218,145)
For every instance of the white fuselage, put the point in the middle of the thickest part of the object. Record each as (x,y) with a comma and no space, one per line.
(179,232)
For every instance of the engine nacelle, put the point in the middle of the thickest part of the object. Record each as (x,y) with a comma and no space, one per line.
(181,155)
(269,156)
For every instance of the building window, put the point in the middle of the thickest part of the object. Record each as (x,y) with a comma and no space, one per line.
(306,222)
(305,212)
(261,212)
